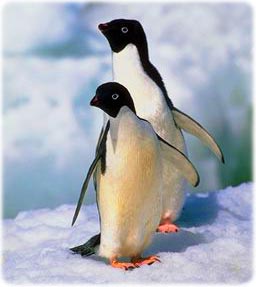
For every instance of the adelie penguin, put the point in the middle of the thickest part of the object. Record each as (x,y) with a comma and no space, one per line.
(133,69)
(128,176)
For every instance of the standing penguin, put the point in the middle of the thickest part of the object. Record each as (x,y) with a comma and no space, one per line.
(128,176)
(133,69)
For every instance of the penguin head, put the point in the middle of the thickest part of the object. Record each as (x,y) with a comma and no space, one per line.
(121,32)
(111,97)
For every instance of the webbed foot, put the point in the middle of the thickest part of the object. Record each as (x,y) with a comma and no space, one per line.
(166,226)
(122,265)
(139,261)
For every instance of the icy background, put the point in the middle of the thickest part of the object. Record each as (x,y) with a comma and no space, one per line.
(213,246)
(54,58)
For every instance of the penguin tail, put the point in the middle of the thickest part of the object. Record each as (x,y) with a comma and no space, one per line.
(89,247)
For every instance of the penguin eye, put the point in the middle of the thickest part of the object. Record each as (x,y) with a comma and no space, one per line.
(115,96)
(124,29)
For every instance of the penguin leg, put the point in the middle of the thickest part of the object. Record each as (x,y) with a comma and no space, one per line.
(139,261)
(123,265)
(166,226)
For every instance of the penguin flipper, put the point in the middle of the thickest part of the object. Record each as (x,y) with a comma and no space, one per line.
(99,153)
(89,247)
(84,187)
(96,151)
(180,161)
(191,126)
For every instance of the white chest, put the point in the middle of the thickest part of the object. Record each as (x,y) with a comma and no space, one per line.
(129,193)
(127,137)
(128,71)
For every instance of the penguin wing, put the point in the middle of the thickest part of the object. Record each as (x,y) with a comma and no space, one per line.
(100,150)
(102,133)
(96,152)
(191,126)
(180,161)
(99,140)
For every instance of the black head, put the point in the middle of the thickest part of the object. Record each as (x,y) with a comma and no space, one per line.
(122,32)
(111,97)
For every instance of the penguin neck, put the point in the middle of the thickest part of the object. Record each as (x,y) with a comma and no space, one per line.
(142,46)
(130,58)
(124,114)
(144,84)
(131,67)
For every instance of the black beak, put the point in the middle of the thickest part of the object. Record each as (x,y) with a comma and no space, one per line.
(95,101)
(103,27)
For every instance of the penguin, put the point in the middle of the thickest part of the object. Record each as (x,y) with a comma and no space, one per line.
(128,168)
(133,69)
(131,65)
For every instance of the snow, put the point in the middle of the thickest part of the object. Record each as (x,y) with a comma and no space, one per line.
(213,246)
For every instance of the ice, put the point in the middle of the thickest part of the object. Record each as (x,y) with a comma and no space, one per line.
(213,246)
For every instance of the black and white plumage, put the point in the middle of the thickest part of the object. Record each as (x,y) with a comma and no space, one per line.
(133,69)
(129,189)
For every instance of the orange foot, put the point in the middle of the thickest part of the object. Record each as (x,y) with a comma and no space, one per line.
(167,228)
(123,265)
(138,261)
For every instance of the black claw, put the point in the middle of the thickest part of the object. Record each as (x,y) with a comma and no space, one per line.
(129,268)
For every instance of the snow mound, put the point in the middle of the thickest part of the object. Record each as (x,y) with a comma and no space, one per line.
(214,245)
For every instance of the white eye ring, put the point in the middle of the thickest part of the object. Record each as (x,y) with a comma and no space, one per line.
(124,29)
(115,96)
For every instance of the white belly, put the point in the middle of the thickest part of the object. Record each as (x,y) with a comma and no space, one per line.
(150,105)
(129,193)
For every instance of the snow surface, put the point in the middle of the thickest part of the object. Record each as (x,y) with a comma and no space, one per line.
(214,244)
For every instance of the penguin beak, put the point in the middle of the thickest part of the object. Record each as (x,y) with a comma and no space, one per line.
(103,27)
(95,101)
